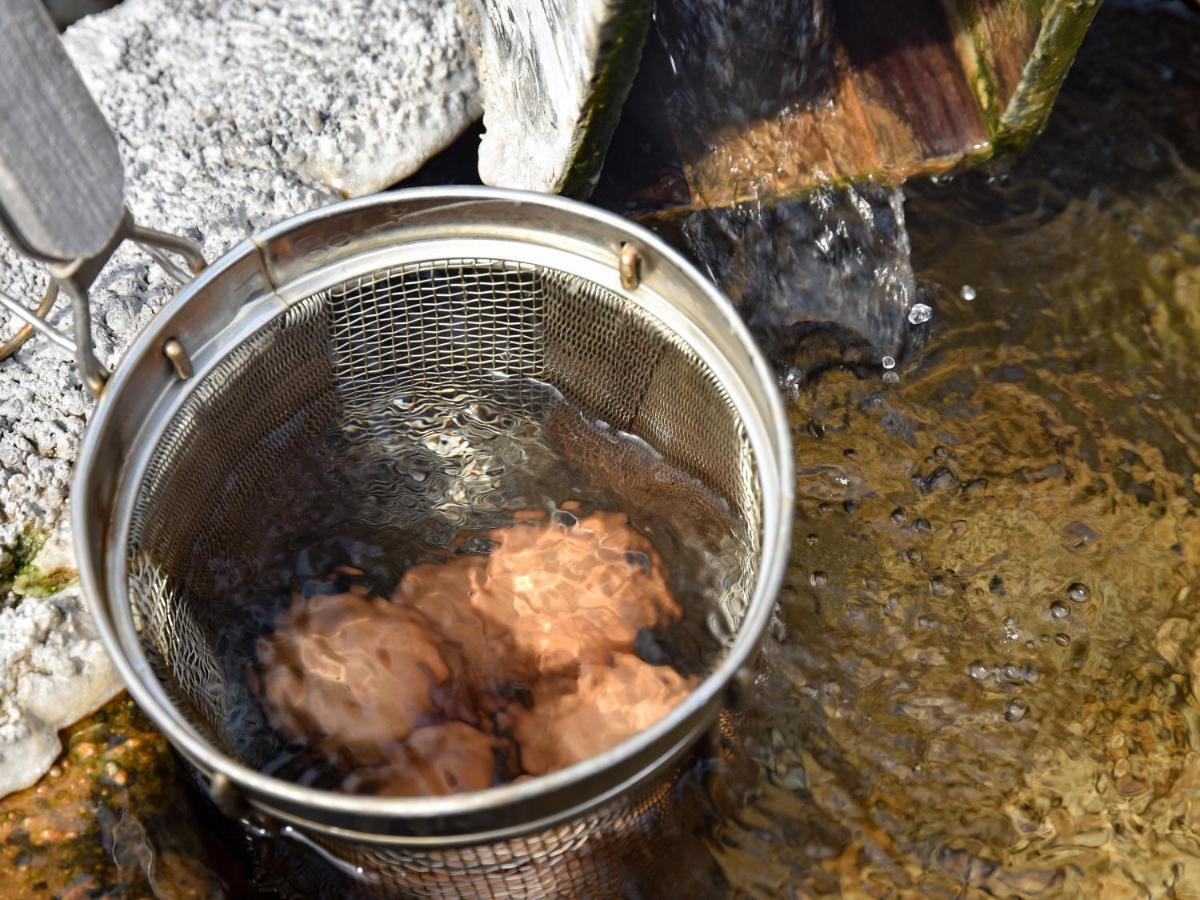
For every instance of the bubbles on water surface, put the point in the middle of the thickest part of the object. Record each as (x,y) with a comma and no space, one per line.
(919,313)
(1015,710)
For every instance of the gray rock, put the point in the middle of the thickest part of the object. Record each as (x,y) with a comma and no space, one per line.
(230,116)
(554,76)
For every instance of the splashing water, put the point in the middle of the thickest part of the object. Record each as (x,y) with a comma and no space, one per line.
(926,721)
(822,281)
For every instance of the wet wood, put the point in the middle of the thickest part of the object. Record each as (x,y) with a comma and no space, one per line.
(896,90)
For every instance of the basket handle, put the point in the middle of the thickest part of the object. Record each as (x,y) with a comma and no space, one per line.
(62,184)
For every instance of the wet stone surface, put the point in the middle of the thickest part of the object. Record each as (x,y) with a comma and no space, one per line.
(111,819)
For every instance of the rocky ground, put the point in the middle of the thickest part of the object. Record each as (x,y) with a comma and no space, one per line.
(229,117)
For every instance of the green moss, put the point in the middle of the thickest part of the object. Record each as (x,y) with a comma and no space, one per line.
(1064,24)
(19,557)
(34,582)
(966,17)
(619,64)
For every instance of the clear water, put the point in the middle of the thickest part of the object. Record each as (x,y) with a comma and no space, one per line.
(416,477)
(983,682)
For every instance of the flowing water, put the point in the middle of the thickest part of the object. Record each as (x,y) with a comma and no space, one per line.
(984,677)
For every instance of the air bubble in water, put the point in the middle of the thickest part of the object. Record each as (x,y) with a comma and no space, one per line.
(889,362)
(1059,610)
(977,671)
(1078,592)
(1062,639)
(891,377)
(967,293)
(919,313)
(1015,710)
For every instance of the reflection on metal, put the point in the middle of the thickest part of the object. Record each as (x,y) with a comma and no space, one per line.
(179,358)
(631,267)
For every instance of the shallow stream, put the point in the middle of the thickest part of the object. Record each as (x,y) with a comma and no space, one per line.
(984,677)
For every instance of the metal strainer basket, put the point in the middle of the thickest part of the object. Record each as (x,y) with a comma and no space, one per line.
(311,324)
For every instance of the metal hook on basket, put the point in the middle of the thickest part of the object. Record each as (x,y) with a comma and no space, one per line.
(230,802)
(62,185)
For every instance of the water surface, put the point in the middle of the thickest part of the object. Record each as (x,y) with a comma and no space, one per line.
(983,677)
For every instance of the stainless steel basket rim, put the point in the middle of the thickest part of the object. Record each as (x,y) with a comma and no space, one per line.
(770,440)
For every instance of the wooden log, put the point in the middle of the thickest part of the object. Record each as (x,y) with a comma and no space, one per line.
(888,91)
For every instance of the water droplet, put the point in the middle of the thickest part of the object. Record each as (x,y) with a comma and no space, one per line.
(1015,710)
(818,579)
(889,362)
(1059,610)
(977,670)
(967,293)
(922,525)
(919,313)
(1078,592)
(1062,639)
(813,539)
(899,514)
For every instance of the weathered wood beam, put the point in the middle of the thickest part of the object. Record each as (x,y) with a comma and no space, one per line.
(889,91)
